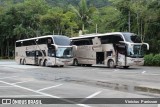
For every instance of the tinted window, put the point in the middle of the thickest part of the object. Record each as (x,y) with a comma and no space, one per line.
(18,44)
(136,39)
(30,53)
(106,39)
(116,38)
(130,37)
(29,42)
(25,43)
(45,40)
(76,42)
(87,41)
(33,53)
(40,53)
(62,40)
(42,41)
(111,39)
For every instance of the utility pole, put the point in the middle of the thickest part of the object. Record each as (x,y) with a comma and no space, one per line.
(53,32)
(96,29)
(129,21)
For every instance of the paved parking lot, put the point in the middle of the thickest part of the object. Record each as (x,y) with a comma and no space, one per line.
(27,81)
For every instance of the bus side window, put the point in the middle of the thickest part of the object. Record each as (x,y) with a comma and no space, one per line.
(106,39)
(18,44)
(27,53)
(77,43)
(42,41)
(109,53)
(25,43)
(116,38)
(51,48)
(49,41)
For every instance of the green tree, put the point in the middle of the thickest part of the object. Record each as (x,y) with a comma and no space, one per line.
(57,21)
(144,19)
(107,20)
(19,20)
(84,13)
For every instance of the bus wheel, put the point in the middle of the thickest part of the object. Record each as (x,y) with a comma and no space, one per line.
(126,67)
(89,65)
(61,66)
(24,62)
(45,63)
(75,62)
(20,62)
(111,63)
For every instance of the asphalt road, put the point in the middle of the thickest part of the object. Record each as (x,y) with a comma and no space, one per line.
(28,81)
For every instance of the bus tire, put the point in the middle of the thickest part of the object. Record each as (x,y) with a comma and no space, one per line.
(20,62)
(125,67)
(88,65)
(24,62)
(111,64)
(45,62)
(75,62)
(61,66)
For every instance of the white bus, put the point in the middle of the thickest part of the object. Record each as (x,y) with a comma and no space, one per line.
(110,49)
(50,50)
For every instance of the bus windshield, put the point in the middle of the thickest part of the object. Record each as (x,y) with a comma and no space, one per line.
(62,40)
(137,51)
(64,52)
(133,38)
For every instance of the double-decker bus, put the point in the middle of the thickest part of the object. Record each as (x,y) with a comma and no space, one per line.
(50,50)
(110,49)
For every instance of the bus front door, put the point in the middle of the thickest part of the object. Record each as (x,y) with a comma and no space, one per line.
(99,57)
(121,55)
(36,57)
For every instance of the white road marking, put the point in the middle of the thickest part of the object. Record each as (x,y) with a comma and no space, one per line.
(116,70)
(91,96)
(21,82)
(158,105)
(93,69)
(94,94)
(25,88)
(83,105)
(143,72)
(38,92)
(153,74)
(8,77)
(49,87)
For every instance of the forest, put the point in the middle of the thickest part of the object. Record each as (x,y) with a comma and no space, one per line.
(21,19)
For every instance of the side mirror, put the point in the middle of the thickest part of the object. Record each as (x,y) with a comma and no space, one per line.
(146,45)
(54,46)
(74,47)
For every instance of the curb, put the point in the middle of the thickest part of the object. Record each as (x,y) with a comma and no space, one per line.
(129,88)
(118,86)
